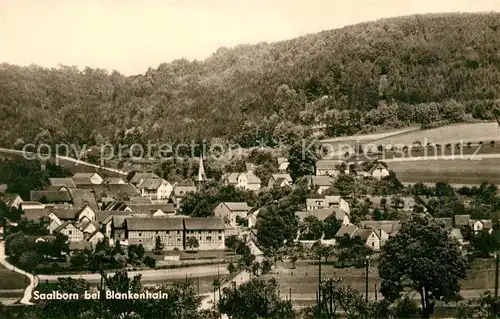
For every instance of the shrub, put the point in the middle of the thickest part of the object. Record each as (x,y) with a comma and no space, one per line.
(150,262)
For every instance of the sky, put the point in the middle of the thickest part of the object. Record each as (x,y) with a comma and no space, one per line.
(132,35)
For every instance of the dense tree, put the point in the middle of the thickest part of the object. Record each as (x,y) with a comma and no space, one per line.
(424,258)
(255,299)
(302,159)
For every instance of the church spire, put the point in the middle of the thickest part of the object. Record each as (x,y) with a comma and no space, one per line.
(201,172)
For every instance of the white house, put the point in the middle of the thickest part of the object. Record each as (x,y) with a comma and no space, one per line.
(479,225)
(12,200)
(252,218)
(379,171)
(155,188)
(249,181)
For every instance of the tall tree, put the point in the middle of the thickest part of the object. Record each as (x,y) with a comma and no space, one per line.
(424,258)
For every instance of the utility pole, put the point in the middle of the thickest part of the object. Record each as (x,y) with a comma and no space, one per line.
(319,286)
(331,297)
(496,275)
(366,278)
(376,293)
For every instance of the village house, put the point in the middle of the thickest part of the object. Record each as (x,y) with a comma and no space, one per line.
(144,231)
(383,228)
(379,171)
(322,213)
(155,188)
(155,210)
(60,182)
(280,180)
(94,238)
(322,183)
(182,189)
(246,181)
(12,200)
(51,196)
(229,210)
(462,220)
(139,177)
(87,178)
(69,229)
(329,167)
(252,218)
(208,231)
(326,202)
(369,236)
(479,225)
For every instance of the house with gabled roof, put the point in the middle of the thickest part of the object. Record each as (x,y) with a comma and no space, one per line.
(280,180)
(87,178)
(229,210)
(139,177)
(479,225)
(51,196)
(329,167)
(182,189)
(462,220)
(379,171)
(94,238)
(246,180)
(11,200)
(390,227)
(155,210)
(322,183)
(144,231)
(208,231)
(64,181)
(369,236)
(326,202)
(323,213)
(69,229)
(155,188)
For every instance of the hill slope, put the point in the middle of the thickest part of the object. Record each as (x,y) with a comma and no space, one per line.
(429,69)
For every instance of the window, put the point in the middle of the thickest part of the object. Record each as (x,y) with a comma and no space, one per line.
(220,231)
(178,239)
(69,232)
(156,232)
(140,234)
(178,232)
(209,238)
(199,231)
(140,241)
(166,232)
(373,244)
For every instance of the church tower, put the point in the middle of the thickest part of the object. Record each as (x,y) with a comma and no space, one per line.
(201,178)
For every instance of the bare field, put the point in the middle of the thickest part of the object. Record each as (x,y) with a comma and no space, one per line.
(452,171)
(475,133)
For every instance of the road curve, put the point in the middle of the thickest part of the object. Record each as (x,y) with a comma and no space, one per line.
(33,279)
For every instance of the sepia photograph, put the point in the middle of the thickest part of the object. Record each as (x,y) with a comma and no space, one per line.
(249,159)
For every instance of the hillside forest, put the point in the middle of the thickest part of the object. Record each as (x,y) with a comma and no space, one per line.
(425,70)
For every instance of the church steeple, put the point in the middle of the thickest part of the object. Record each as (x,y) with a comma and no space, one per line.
(201,173)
